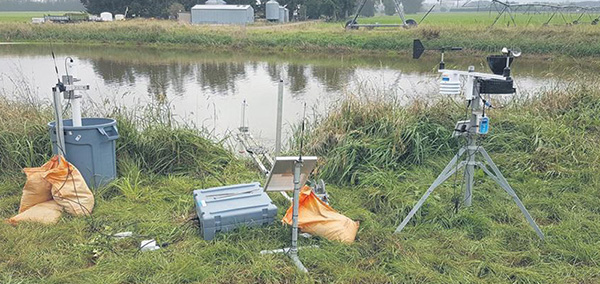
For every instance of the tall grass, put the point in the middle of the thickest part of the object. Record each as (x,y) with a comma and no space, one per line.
(362,134)
(154,144)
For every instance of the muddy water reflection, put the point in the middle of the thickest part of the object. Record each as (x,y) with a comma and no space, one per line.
(206,88)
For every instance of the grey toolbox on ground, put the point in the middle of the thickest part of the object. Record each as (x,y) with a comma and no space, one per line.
(222,209)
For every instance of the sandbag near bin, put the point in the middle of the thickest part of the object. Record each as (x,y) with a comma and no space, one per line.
(54,187)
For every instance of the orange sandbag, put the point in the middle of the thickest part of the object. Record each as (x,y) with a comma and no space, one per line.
(46,213)
(36,189)
(69,189)
(317,218)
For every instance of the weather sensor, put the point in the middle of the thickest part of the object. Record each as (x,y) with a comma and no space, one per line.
(476,85)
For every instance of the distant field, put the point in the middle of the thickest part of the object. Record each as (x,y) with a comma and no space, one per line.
(436,19)
(25,17)
(469,30)
(483,19)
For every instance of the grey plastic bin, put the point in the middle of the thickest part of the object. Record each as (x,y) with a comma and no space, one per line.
(223,209)
(90,148)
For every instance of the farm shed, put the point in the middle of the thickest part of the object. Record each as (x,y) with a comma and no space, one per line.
(222,14)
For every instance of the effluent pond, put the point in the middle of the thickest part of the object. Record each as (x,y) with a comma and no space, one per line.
(206,88)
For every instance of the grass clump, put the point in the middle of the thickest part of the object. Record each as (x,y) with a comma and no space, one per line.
(363,134)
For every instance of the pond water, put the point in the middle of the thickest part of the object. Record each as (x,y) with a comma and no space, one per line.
(207,88)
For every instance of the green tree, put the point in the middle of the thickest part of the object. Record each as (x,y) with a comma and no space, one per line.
(346,8)
(314,9)
(389,8)
(174,9)
(139,8)
(369,9)
(412,6)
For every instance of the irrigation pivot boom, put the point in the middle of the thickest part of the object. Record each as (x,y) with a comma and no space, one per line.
(406,23)
(570,14)
(478,125)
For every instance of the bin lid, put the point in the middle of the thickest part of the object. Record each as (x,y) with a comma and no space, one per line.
(86,123)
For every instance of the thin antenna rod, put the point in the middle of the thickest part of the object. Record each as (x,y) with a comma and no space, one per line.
(55,65)
(302,132)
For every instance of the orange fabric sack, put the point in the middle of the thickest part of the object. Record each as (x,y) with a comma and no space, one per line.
(36,189)
(69,189)
(317,218)
(46,213)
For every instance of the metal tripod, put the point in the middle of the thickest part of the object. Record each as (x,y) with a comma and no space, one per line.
(472,150)
(292,251)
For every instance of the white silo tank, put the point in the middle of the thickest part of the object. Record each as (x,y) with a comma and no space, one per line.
(272,11)
(286,17)
(106,17)
(281,14)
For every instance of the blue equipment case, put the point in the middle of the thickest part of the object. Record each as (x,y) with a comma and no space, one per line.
(222,209)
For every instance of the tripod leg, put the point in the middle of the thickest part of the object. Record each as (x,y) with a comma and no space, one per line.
(446,173)
(469,174)
(499,178)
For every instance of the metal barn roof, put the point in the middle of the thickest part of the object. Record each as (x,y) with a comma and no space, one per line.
(221,7)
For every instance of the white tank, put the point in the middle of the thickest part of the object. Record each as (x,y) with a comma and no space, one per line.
(282,15)
(272,10)
(119,17)
(106,17)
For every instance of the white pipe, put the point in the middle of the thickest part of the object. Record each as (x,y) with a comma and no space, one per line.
(76,112)
(75,101)
(279,118)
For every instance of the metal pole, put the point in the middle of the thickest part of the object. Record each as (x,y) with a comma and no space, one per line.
(472,144)
(293,253)
(358,11)
(498,17)
(243,122)
(297,169)
(279,119)
(58,126)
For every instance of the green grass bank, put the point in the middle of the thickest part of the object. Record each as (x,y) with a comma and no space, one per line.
(378,158)
(469,30)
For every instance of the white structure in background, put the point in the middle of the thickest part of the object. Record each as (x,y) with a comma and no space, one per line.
(222,14)
(106,16)
(37,20)
(119,17)
(276,13)
(272,11)
(284,14)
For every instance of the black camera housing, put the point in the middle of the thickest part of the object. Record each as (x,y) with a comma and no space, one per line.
(496,86)
(497,63)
